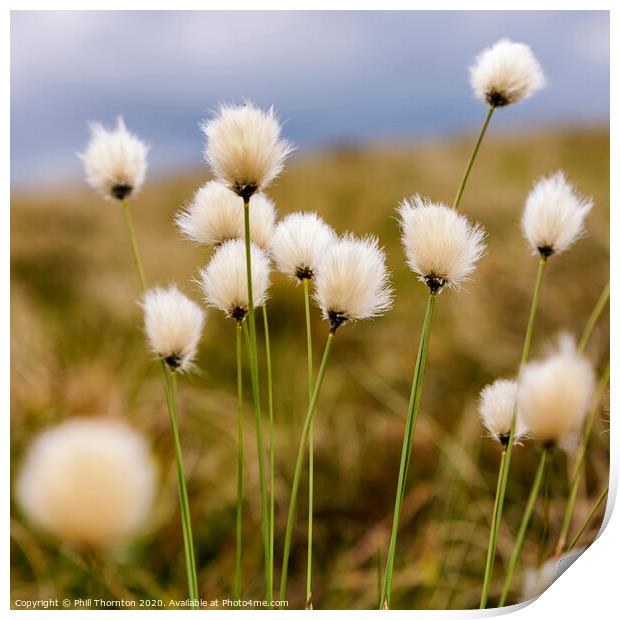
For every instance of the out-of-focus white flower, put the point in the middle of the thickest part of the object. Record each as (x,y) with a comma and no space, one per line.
(441,245)
(244,148)
(89,481)
(554,394)
(115,161)
(299,244)
(224,280)
(506,73)
(498,402)
(353,282)
(173,325)
(215,215)
(554,215)
(537,580)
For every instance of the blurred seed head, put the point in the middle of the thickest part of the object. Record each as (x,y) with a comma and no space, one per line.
(353,282)
(506,73)
(554,215)
(555,393)
(215,215)
(299,244)
(173,325)
(244,148)
(441,245)
(497,405)
(537,580)
(89,481)
(224,280)
(114,161)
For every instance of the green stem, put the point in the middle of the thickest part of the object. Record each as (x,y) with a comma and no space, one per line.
(524,358)
(493,534)
(593,512)
(260,441)
(290,519)
(134,244)
(272,468)
(237,587)
(412,414)
(472,158)
(593,319)
(188,542)
(306,284)
(579,461)
(529,508)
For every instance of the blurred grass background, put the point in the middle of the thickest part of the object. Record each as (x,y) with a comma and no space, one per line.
(78,349)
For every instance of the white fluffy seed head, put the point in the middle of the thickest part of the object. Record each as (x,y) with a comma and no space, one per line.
(353,281)
(441,245)
(497,405)
(506,73)
(554,394)
(88,481)
(299,243)
(244,148)
(115,161)
(173,325)
(215,215)
(554,215)
(224,280)
(537,580)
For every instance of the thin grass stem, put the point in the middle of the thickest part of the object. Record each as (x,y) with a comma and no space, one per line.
(260,440)
(290,519)
(580,460)
(306,284)
(525,521)
(188,541)
(272,468)
(239,536)
(488,572)
(472,158)
(593,319)
(412,413)
(134,244)
(587,522)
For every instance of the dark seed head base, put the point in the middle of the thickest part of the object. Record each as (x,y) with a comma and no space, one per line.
(546,251)
(245,190)
(497,99)
(336,319)
(238,314)
(304,273)
(174,361)
(121,191)
(435,284)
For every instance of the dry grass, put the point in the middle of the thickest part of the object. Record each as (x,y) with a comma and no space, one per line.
(77,349)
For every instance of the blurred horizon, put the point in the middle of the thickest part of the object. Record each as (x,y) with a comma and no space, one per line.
(336,78)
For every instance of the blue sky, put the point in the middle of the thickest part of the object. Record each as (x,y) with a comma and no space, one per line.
(334,77)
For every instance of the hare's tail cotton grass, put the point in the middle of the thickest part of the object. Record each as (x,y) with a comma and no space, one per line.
(498,401)
(89,481)
(353,281)
(506,73)
(173,325)
(554,215)
(215,215)
(224,280)
(440,244)
(299,244)
(115,161)
(244,148)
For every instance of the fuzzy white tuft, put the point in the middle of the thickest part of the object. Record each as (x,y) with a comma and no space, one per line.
(215,215)
(498,401)
(173,325)
(224,280)
(554,394)
(115,161)
(353,282)
(299,244)
(554,215)
(441,245)
(244,148)
(506,73)
(88,481)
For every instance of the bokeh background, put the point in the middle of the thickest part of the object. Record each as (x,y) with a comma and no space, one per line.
(379,106)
